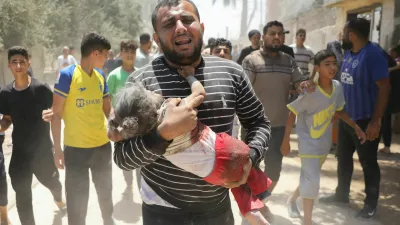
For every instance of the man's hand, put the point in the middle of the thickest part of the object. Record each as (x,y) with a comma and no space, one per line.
(186,71)
(59,158)
(246,171)
(373,129)
(285,147)
(307,86)
(114,135)
(179,120)
(360,134)
(47,115)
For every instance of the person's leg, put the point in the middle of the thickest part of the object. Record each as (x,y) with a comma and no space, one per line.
(138,178)
(128,176)
(21,180)
(47,173)
(386,132)
(367,154)
(102,178)
(308,205)
(3,186)
(273,156)
(77,183)
(345,165)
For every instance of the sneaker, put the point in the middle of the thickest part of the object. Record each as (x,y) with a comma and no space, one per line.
(333,199)
(293,210)
(366,213)
(385,150)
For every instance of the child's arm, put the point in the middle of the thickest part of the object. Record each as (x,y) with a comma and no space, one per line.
(285,146)
(197,88)
(345,117)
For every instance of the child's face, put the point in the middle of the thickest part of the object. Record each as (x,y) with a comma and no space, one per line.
(328,68)
(18,65)
(128,55)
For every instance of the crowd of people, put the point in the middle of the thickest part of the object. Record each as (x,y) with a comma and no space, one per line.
(174,115)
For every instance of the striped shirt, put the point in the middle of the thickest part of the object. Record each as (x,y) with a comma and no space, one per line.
(271,78)
(303,57)
(228,92)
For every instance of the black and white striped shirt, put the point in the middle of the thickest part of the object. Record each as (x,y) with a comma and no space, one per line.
(228,92)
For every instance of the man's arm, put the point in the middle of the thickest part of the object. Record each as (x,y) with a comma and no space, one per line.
(285,146)
(107,106)
(249,69)
(382,98)
(250,112)
(5,123)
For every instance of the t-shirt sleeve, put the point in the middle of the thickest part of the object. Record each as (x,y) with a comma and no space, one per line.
(63,82)
(3,104)
(300,105)
(377,66)
(111,84)
(340,101)
(47,96)
(105,91)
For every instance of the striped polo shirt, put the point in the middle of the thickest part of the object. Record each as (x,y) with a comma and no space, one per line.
(271,78)
(303,57)
(228,92)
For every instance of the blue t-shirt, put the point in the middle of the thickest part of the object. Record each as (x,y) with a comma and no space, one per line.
(359,74)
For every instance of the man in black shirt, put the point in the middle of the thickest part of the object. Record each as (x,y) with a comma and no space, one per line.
(287,49)
(254,37)
(22,102)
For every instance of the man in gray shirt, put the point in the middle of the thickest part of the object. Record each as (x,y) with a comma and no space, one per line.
(271,72)
(143,54)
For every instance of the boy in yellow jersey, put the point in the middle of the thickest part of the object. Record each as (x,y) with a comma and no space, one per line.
(314,113)
(81,99)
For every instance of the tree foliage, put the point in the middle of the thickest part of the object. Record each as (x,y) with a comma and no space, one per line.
(54,23)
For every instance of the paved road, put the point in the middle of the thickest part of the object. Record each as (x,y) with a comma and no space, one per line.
(128,210)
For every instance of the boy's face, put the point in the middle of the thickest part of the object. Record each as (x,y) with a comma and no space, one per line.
(18,65)
(328,68)
(301,38)
(128,55)
(99,58)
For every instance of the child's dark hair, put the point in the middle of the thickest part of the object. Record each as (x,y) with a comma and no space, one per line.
(136,111)
(94,42)
(221,42)
(322,55)
(17,50)
(128,44)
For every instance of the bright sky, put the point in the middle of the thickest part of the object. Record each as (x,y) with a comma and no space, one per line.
(216,18)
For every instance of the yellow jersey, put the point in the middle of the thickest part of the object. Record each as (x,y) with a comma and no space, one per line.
(84,119)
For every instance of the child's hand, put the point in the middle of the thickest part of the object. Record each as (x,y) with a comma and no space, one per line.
(186,71)
(360,134)
(285,147)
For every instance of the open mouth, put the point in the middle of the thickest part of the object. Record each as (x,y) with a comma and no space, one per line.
(183,41)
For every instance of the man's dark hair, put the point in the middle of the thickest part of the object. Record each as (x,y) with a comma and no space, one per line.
(169,3)
(322,55)
(211,41)
(221,42)
(144,38)
(301,31)
(128,44)
(94,42)
(360,26)
(252,33)
(136,112)
(18,50)
(271,24)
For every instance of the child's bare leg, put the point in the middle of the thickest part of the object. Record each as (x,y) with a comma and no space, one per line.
(256,218)
(296,194)
(4,215)
(308,205)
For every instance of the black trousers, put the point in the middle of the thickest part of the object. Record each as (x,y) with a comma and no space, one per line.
(158,215)
(22,168)
(387,129)
(3,176)
(367,154)
(78,161)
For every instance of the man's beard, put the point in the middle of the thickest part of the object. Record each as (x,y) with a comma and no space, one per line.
(347,45)
(273,48)
(181,59)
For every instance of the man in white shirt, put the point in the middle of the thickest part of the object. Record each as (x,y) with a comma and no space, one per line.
(143,54)
(65,59)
